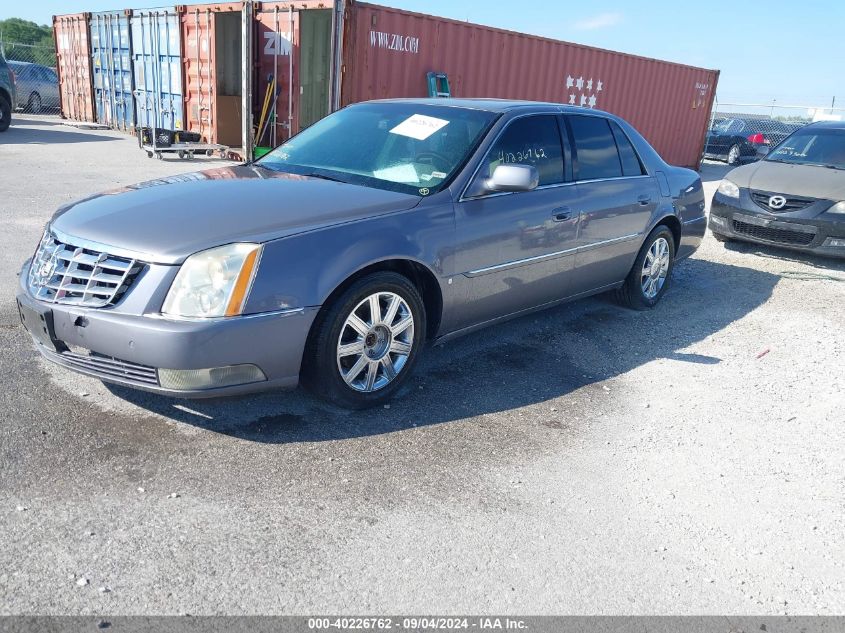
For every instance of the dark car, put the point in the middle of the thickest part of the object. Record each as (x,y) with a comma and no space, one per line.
(334,258)
(795,197)
(37,85)
(738,140)
(7,94)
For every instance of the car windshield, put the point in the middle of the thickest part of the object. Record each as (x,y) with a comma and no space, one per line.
(812,146)
(404,147)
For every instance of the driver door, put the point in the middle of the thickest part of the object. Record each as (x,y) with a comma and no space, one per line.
(517,248)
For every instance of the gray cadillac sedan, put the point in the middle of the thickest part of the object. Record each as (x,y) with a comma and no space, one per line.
(335,258)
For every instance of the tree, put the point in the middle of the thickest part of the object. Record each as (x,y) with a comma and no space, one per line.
(27,41)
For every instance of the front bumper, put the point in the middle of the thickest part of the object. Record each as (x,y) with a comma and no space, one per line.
(129,349)
(742,219)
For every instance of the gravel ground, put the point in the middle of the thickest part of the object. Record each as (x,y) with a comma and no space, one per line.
(585,460)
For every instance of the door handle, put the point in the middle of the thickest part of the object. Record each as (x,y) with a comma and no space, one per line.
(561,214)
(644,199)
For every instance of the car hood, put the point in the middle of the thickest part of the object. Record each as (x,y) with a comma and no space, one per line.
(798,180)
(166,220)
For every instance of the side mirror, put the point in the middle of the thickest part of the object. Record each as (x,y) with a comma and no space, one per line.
(513,178)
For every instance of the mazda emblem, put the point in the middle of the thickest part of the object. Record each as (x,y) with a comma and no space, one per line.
(777,202)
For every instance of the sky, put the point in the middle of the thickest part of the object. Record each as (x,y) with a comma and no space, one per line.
(791,52)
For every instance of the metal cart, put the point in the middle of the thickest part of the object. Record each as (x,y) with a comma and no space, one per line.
(184,150)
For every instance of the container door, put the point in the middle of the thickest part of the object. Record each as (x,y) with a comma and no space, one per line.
(73,61)
(277,82)
(315,48)
(197,34)
(157,64)
(112,67)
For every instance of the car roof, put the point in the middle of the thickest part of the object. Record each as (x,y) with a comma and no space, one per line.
(829,125)
(489,105)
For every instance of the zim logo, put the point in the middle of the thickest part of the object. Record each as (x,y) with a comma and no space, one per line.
(777,202)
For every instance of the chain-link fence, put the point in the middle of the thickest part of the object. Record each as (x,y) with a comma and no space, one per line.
(36,83)
(745,132)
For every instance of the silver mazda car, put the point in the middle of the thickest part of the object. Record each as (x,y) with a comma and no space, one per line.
(335,258)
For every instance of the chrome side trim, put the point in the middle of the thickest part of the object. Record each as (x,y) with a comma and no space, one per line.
(537,258)
(694,220)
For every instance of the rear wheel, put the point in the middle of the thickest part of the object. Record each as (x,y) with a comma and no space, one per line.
(363,348)
(5,114)
(733,155)
(33,106)
(651,274)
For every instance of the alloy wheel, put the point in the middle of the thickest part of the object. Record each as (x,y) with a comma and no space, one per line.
(375,342)
(733,155)
(655,268)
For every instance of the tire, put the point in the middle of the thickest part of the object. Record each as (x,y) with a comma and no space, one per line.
(734,154)
(34,105)
(633,294)
(5,114)
(377,339)
(721,238)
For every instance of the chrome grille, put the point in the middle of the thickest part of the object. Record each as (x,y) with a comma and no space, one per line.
(74,275)
(793,203)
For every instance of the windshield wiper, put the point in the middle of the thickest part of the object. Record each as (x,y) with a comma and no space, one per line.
(323,177)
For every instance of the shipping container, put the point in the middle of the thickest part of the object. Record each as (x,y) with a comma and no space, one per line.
(389,52)
(156,48)
(73,66)
(111,63)
(214,66)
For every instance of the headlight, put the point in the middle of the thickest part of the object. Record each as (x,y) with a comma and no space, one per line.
(839,207)
(213,283)
(729,189)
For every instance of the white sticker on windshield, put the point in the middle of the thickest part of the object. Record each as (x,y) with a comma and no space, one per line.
(419,126)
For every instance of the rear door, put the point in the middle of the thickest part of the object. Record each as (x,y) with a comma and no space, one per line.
(616,198)
(517,248)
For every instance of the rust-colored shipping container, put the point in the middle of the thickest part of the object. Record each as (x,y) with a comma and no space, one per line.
(73,66)
(388,52)
(212,67)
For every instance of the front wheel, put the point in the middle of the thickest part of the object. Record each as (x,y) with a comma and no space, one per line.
(5,114)
(651,274)
(363,348)
(34,104)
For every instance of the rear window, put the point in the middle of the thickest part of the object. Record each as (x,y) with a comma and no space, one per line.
(595,148)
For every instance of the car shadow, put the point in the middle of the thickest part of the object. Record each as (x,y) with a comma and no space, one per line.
(31,132)
(788,256)
(523,362)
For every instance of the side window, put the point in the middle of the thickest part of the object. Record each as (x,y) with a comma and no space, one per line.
(533,140)
(595,149)
(631,165)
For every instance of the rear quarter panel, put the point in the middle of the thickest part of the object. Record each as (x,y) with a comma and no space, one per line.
(688,200)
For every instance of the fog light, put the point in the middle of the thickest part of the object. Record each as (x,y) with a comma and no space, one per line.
(718,221)
(835,242)
(215,377)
